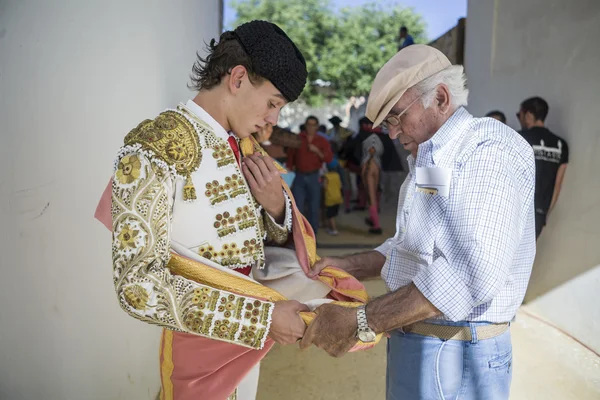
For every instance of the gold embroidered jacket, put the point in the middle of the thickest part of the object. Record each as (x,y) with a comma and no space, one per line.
(177,187)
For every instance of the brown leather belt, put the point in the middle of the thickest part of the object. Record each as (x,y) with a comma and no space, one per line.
(449,332)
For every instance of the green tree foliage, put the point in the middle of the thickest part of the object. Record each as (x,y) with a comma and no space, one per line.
(344,47)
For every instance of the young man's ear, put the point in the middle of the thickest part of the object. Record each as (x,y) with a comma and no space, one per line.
(237,76)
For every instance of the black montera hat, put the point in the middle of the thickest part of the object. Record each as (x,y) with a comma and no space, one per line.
(274,56)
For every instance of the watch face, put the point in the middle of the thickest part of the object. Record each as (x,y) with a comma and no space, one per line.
(366,337)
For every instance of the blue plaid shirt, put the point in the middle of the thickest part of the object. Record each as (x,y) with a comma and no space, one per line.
(469,251)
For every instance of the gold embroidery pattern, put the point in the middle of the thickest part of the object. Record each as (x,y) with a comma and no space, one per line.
(210,138)
(175,140)
(136,296)
(245,215)
(218,193)
(276,233)
(127,237)
(226,330)
(215,192)
(204,303)
(223,154)
(230,306)
(198,321)
(129,169)
(205,298)
(256,316)
(231,255)
(226,223)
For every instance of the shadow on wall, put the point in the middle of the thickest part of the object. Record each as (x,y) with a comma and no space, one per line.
(573,236)
(568,245)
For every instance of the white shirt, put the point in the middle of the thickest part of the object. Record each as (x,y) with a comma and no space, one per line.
(374,142)
(470,247)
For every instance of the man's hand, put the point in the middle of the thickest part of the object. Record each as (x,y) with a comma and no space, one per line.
(265,184)
(315,150)
(333,330)
(287,326)
(338,262)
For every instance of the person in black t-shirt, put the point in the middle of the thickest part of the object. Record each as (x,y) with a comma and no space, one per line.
(551,157)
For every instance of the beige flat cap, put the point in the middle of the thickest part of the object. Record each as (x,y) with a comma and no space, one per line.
(408,67)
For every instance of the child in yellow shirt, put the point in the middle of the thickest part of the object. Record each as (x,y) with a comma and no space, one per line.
(333,194)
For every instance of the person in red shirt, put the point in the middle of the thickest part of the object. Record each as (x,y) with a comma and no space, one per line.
(306,161)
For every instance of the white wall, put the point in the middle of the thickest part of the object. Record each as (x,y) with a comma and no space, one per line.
(75,77)
(573,307)
(516,49)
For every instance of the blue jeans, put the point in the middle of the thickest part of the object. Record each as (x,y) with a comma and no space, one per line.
(307,192)
(422,367)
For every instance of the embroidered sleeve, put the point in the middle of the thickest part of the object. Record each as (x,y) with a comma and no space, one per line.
(147,290)
(277,233)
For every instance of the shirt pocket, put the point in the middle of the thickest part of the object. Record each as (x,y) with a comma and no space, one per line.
(424,219)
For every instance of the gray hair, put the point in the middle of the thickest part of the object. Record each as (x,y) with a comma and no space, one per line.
(453,77)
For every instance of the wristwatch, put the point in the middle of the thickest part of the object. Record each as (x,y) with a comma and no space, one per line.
(364,333)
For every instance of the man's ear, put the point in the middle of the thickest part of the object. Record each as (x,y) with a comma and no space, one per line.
(443,98)
(237,77)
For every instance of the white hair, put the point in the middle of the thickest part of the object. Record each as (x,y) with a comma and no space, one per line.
(454,78)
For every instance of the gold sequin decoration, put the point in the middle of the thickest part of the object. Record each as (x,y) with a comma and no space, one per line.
(198,321)
(237,185)
(206,299)
(230,254)
(189,191)
(223,154)
(225,224)
(136,296)
(218,193)
(275,233)
(225,329)
(231,306)
(255,312)
(245,217)
(175,140)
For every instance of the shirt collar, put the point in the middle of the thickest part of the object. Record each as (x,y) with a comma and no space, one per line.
(206,117)
(449,133)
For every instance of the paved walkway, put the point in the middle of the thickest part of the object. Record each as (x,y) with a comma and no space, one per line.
(547,365)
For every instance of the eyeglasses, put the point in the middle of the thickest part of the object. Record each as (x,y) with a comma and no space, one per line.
(394,120)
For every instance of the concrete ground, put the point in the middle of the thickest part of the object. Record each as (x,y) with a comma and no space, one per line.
(547,363)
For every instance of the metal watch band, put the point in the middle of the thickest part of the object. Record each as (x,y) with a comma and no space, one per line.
(361,316)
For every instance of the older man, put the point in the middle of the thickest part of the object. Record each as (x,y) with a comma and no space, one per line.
(460,261)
